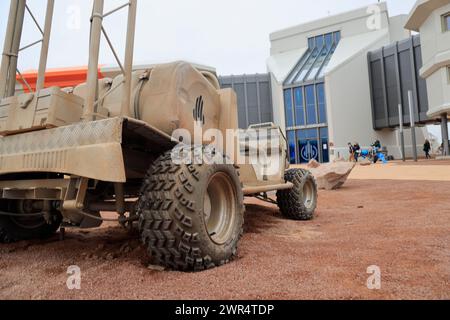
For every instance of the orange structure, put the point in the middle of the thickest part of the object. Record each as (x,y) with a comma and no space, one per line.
(64,77)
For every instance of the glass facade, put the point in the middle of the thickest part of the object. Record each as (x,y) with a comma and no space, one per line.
(313,64)
(305,101)
(307,131)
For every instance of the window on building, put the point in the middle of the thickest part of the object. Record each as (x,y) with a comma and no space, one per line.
(312,65)
(299,107)
(329,40)
(311,117)
(337,36)
(289,109)
(305,101)
(292,144)
(319,42)
(446,22)
(325,146)
(308,145)
(321,103)
(308,65)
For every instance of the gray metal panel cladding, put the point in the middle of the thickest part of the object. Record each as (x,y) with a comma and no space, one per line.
(394,69)
(254,95)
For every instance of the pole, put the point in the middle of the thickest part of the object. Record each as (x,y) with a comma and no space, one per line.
(4,68)
(40,84)
(10,85)
(128,65)
(444,128)
(413,124)
(402,133)
(94,50)
(12,71)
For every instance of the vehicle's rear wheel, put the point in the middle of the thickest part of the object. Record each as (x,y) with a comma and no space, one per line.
(191,216)
(21,220)
(300,202)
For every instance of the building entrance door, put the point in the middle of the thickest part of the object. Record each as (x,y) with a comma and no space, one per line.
(309,150)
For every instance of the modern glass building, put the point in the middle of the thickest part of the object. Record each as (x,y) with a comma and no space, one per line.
(320,83)
(305,101)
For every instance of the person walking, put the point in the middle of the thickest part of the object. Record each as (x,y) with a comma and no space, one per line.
(351,152)
(356,151)
(427,149)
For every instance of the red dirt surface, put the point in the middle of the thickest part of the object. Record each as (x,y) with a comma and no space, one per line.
(401,226)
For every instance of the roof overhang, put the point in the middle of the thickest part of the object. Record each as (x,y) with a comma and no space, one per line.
(421,11)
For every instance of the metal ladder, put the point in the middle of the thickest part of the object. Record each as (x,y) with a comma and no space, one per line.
(12,49)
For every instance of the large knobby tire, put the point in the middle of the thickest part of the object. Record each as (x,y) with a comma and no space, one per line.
(191,216)
(14,229)
(300,202)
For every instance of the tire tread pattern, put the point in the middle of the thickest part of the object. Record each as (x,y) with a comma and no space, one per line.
(291,202)
(166,217)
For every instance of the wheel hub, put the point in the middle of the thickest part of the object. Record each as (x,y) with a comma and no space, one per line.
(308,194)
(219,208)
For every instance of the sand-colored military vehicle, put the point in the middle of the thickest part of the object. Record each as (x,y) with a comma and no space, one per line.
(111,145)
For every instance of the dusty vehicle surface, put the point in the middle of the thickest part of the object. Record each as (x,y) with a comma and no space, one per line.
(131,145)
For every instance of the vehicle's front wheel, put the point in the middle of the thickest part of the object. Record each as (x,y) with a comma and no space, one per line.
(191,216)
(22,220)
(300,202)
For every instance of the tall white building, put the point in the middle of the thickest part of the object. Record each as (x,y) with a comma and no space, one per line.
(320,82)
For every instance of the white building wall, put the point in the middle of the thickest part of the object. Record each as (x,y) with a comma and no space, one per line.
(347,78)
(434,41)
(348,103)
(436,58)
(397,28)
(278,103)
(350,23)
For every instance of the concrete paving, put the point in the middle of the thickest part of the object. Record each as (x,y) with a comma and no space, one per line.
(431,170)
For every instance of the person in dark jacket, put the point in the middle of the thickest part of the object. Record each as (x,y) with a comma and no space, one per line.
(351,152)
(427,149)
(356,151)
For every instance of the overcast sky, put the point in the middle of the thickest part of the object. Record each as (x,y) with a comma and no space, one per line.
(232,35)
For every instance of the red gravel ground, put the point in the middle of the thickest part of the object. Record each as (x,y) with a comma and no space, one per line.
(401,226)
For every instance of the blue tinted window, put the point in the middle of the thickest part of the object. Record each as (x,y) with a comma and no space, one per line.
(299,107)
(447,22)
(319,42)
(313,64)
(289,109)
(301,134)
(302,146)
(321,103)
(337,37)
(292,142)
(324,145)
(310,105)
(308,65)
(308,147)
(318,64)
(323,133)
(329,40)
(311,134)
